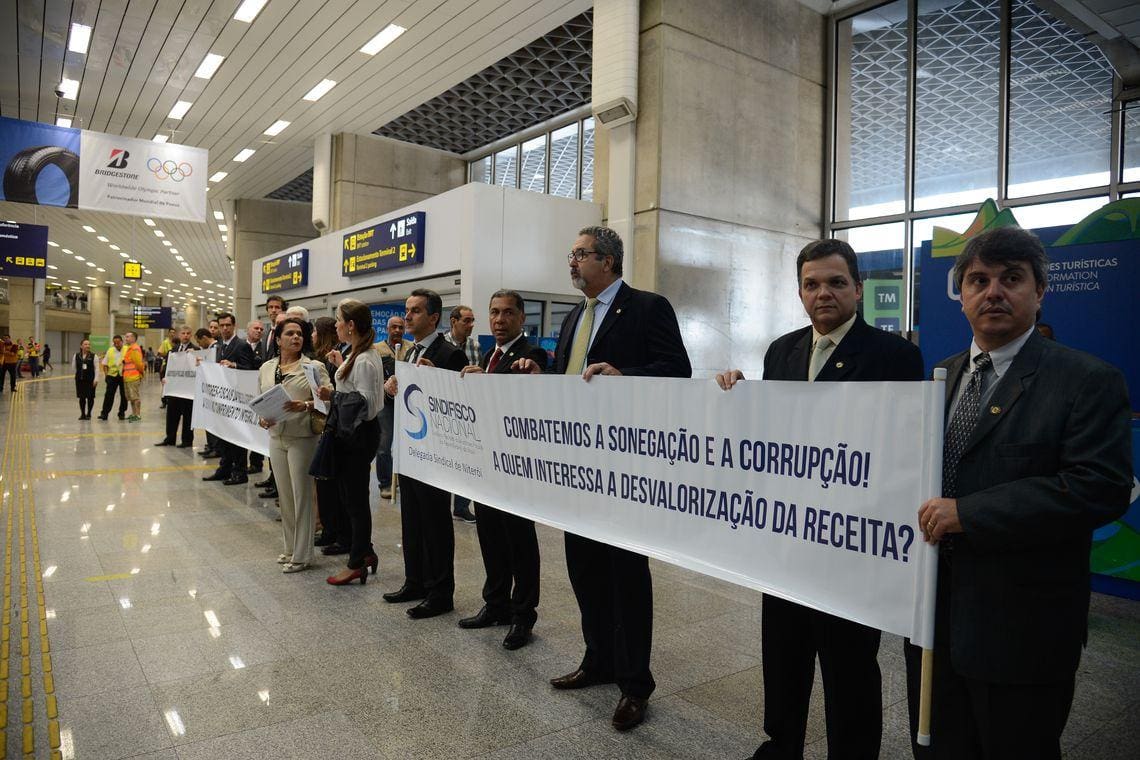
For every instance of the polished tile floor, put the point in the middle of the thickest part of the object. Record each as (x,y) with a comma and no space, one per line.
(170,632)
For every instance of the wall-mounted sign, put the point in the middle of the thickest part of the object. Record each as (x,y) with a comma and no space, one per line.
(151,317)
(58,166)
(391,244)
(23,250)
(132,270)
(285,272)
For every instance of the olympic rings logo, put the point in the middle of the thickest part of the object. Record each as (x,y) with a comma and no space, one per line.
(169,169)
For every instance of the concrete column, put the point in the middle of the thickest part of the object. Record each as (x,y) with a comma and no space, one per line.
(373,175)
(21,308)
(98,303)
(729,169)
(193,316)
(259,228)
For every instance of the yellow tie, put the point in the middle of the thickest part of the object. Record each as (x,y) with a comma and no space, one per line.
(577,361)
(819,356)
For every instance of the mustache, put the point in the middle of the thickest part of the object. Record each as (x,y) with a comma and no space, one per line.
(999,308)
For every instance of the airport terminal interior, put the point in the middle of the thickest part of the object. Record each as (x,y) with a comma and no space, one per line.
(145,613)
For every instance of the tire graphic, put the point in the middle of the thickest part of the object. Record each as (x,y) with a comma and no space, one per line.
(24,169)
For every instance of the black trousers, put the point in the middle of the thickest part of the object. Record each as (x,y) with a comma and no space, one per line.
(615,597)
(793,635)
(10,370)
(353,462)
(429,539)
(509,546)
(85,392)
(114,384)
(334,517)
(234,458)
(179,410)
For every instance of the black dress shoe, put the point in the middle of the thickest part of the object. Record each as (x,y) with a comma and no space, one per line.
(324,540)
(517,637)
(579,679)
(235,480)
(405,594)
(264,483)
(427,608)
(333,550)
(269,493)
(251,470)
(185,445)
(485,618)
(216,476)
(165,443)
(629,713)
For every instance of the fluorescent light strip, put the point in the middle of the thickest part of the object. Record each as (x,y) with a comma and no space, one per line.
(244,155)
(277,128)
(160,138)
(180,109)
(320,90)
(218,176)
(209,65)
(70,88)
(80,38)
(62,122)
(382,40)
(248,10)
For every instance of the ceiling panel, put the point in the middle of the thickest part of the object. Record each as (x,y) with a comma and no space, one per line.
(142,58)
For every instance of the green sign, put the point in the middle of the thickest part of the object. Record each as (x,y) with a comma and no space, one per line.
(99,343)
(883,304)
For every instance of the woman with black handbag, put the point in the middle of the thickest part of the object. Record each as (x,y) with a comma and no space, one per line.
(293,438)
(357,400)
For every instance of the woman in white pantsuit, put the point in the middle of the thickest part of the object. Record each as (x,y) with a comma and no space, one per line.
(292,440)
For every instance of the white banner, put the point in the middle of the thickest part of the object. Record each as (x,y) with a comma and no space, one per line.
(128,175)
(221,405)
(807,491)
(181,374)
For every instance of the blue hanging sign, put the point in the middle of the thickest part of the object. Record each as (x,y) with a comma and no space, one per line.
(285,272)
(391,244)
(23,250)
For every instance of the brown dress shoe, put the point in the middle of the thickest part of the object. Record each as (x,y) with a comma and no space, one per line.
(629,713)
(579,679)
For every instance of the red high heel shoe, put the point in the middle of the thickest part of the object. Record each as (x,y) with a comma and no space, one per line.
(361,573)
(372,561)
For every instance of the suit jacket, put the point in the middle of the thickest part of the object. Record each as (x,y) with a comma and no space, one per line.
(238,352)
(865,354)
(1049,461)
(444,355)
(520,349)
(639,336)
(388,358)
(259,353)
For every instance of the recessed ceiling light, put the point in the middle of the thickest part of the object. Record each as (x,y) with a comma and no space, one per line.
(208,282)
(224,238)
(62,121)
(382,40)
(248,10)
(93,279)
(53,244)
(124,254)
(147,271)
(159,233)
(219,176)
(102,239)
(149,222)
(277,128)
(88,228)
(88,263)
(80,38)
(219,215)
(209,65)
(174,250)
(100,269)
(179,258)
(109,282)
(66,250)
(167,279)
(320,90)
(52,266)
(180,109)
(244,154)
(223,228)
(167,243)
(80,258)
(160,138)
(70,88)
(113,247)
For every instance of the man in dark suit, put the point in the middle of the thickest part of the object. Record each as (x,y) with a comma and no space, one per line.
(234,352)
(617,331)
(1037,455)
(254,336)
(274,305)
(838,346)
(428,536)
(507,542)
(178,408)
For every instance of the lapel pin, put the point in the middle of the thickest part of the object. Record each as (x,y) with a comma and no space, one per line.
(839,365)
(619,311)
(995,410)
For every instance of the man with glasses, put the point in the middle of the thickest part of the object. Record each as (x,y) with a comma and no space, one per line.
(617,331)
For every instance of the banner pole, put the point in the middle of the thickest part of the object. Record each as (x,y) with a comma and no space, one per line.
(930,574)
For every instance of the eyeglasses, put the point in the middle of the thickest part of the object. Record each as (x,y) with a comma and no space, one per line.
(578,254)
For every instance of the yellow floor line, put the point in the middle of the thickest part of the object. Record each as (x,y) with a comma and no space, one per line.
(71,436)
(49,474)
(10,495)
(112,577)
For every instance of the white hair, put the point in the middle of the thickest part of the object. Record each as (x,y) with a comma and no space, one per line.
(298,311)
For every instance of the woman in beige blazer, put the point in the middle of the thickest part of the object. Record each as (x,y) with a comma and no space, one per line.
(292,440)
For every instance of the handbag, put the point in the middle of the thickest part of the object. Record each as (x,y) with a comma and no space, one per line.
(317,422)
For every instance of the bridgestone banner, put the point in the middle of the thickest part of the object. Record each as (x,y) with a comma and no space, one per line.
(221,406)
(806,491)
(181,374)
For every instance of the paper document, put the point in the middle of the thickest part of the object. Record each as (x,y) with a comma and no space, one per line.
(314,385)
(270,405)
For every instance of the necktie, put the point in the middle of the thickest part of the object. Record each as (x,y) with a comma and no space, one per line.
(415,355)
(577,361)
(494,360)
(819,356)
(962,425)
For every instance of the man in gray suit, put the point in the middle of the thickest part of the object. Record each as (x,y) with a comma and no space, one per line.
(1037,454)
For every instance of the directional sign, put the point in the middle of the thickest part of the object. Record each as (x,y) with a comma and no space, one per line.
(391,244)
(132,270)
(23,250)
(152,317)
(285,272)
